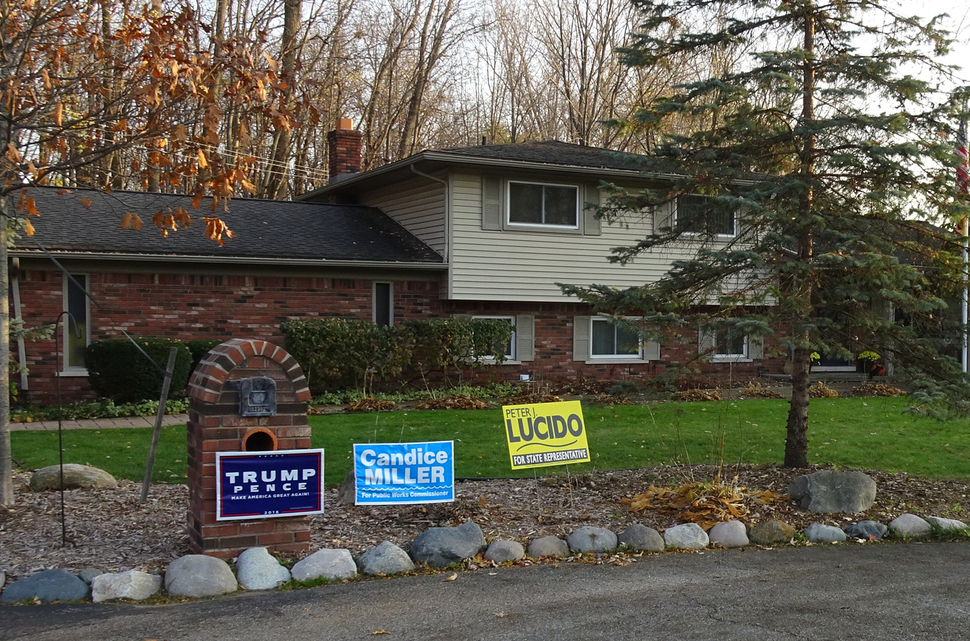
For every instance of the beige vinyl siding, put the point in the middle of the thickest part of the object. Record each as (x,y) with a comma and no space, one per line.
(418,205)
(523,265)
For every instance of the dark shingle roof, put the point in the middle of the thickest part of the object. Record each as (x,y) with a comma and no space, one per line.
(553,152)
(261,228)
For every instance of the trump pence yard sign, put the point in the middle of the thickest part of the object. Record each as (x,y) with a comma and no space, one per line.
(545,434)
(259,485)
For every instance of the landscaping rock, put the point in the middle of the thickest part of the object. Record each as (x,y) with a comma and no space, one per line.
(909,526)
(75,477)
(386,558)
(688,536)
(729,534)
(828,491)
(868,530)
(198,575)
(442,546)
(771,532)
(257,569)
(505,551)
(330,564)
(820,533)
(46,586)
(133,584)
(946,524)
(591,539)
(547,546)
(88,574)
(641,538)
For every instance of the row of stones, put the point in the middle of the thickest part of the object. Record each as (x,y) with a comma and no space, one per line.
(198,575)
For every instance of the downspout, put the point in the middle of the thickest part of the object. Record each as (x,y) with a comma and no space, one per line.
(448,222)
(17,314)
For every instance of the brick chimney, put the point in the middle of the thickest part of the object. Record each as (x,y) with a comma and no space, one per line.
(344,145)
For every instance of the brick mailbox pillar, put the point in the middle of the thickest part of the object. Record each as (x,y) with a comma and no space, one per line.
(216,424)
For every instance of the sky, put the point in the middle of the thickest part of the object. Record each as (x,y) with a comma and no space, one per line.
(958,22)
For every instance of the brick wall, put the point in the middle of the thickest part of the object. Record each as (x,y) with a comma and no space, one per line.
(216,306)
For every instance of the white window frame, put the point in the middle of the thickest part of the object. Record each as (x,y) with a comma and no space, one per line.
(753,348)
(390,300)
(508,206)
(721,357)
(511,357)
(734,225)
(67,330)
(633,357)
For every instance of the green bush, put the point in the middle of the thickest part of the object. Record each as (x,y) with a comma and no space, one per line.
(199,348)
(118,370)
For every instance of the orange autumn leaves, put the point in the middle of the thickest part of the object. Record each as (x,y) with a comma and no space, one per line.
(703,503)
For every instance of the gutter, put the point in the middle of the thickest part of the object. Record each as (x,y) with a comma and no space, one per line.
(228,260)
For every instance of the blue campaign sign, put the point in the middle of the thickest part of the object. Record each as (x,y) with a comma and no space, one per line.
(261,485)
(404,473)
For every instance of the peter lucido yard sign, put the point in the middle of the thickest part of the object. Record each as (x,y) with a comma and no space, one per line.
(545,434)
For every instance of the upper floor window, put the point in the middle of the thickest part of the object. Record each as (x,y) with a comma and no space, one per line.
(697,215)
(608,340)
(543,204)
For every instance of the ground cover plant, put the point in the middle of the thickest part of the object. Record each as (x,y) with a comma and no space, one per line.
(867,433)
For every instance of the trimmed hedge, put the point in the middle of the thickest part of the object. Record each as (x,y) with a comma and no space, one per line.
(118,370)
(200,347)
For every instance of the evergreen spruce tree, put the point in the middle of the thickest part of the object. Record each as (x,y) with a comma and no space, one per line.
(802,184)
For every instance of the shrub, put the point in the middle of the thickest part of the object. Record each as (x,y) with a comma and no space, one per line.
(199,348)
(117,369)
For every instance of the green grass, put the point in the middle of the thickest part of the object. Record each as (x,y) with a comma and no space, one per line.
(870,433)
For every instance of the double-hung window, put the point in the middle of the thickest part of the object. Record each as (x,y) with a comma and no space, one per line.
(699,215)
(543,204)
(730,344)
(609,340)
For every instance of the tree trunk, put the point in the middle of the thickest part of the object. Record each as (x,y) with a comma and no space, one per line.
(796,441)
(6,457)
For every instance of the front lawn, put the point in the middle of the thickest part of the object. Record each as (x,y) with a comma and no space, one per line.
(866,433)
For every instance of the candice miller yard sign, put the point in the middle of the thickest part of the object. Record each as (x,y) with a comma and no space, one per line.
(253,485)
(545,434)
(404,473)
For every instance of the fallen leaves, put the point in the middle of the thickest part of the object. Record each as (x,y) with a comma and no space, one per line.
(696,395)
(704,503)
(458,402)
(370,404)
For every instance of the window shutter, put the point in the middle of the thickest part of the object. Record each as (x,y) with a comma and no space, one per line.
(651,351)
(663,218)
(756,347)
(525,337)
(592,224)
(491,203)
(580,338)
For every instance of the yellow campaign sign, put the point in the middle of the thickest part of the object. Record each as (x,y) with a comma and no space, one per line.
(545,434)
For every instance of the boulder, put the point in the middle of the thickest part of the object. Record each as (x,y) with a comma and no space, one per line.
(46,587)
(133,584)
(88,574)
(946,524)
(442,546)
(909,526)
(641,538)
(688,536)
(771,532)
(591,539)
(819,533)
(729,534)
(198,575)
(505,551)
(257,569)
(866,530)
(828,491)
(547,546)
(330,564)
(386,558)
(75,477)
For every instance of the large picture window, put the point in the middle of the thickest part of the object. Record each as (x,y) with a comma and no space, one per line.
(543,204)
(697,215)
(612,341)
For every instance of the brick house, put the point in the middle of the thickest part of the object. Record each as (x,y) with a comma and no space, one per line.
(484,231)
